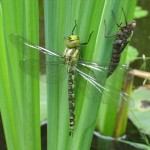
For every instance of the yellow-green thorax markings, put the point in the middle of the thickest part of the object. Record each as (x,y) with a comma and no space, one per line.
(71,57)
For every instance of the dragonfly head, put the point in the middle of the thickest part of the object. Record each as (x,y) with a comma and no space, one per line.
(72,41)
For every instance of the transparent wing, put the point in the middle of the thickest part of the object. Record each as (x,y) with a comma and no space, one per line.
(99,71)
(97,88)
(56,67)
(57,70)
(92,70)
(18,40)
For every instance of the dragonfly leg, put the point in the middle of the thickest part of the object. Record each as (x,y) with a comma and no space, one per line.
(88,39)
(108,36)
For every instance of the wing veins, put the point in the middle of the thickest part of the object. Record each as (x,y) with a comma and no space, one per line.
(19,39)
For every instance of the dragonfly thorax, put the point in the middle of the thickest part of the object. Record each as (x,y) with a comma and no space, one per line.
(126,31)
(72,41)
(70,56)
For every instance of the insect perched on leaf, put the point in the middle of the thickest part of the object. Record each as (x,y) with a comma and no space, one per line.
(74,68)
(122,39)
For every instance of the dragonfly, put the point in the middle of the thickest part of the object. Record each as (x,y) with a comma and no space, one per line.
(75,66)
(122,39)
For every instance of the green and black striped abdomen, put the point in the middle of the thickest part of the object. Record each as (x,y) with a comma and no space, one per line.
(71,83)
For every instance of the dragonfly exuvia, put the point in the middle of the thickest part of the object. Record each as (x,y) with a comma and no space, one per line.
(71,59)
(122,39)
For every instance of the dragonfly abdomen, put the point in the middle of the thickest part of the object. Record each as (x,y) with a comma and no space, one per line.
(71,83)
(118,47)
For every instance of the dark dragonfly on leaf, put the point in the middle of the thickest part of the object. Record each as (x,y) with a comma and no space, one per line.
(122,39)
(74,67)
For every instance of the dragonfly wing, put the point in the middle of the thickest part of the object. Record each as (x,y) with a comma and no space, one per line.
(18,40)
(97,69)
(113,95)
(96,89)
(57,71)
